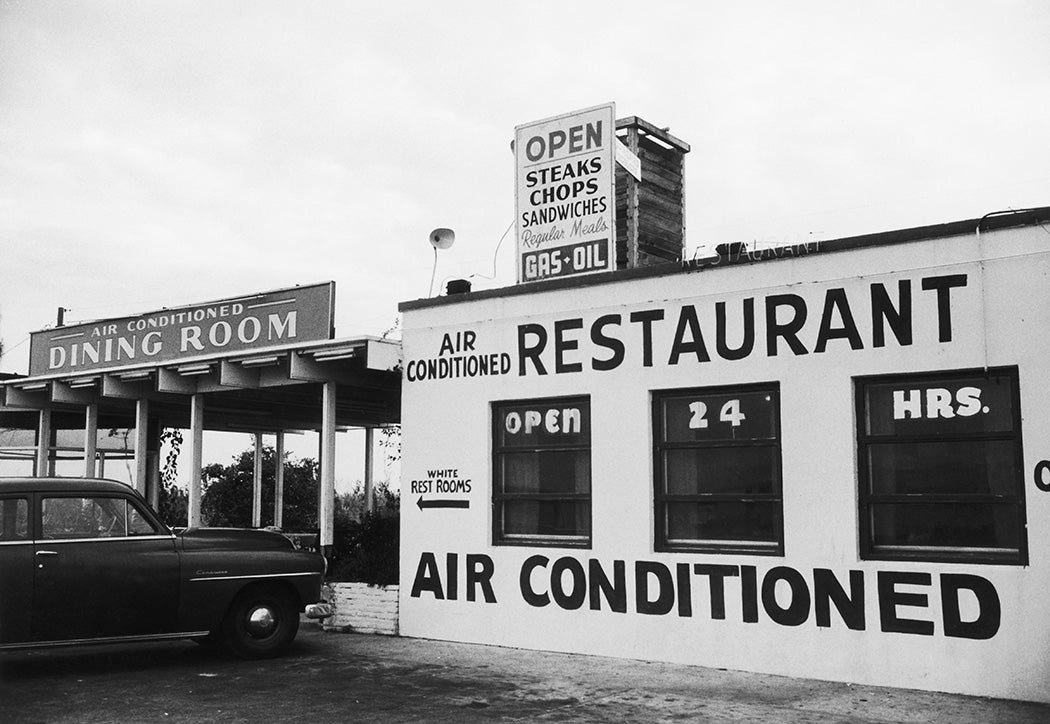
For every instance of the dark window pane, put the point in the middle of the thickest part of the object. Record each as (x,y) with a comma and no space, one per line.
(546,517)
(549,471)
(111,517)
(542,469)
(726,470)
(543,423)
(972,467)
(703,416)
(84,517)
(724,521)
(138,524)
(937,405)
(972,408)
(68,518)
(959,525)
(719,442)
(14,519)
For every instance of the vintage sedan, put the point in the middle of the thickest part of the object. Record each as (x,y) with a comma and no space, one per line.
(87,561)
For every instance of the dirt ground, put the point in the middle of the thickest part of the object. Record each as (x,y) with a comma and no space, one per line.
(332,677)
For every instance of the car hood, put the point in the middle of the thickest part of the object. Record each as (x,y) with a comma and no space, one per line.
(233,539)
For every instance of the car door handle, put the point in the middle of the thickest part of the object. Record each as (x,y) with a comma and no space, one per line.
(41,555)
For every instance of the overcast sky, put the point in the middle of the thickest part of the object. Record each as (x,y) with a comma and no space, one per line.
(162,153)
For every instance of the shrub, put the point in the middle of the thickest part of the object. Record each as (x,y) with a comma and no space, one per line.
(366,545)
(366,550)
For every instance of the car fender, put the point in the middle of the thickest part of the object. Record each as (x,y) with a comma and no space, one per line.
(219,563)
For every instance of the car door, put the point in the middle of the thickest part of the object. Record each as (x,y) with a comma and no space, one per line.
(103,569)
(16,569)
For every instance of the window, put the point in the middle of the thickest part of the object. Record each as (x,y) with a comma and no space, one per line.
(717,476)
(941,476)
(101,517)
(138,524)
(14,519)
(542,472)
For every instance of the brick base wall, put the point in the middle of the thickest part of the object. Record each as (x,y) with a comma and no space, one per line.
(363,608)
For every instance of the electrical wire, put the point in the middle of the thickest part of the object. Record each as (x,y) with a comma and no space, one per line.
(494,255)
(5,350)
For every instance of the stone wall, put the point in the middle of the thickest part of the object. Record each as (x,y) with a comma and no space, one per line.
(363,608)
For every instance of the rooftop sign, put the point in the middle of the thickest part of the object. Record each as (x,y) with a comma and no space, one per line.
(566,200)
(299,314)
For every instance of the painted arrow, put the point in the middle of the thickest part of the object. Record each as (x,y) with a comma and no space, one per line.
(442,503)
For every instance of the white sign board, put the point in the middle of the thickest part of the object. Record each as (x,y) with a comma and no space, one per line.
(629,160)
(566,197)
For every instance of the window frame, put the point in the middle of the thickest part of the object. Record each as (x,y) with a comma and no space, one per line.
(661,542)
(499,538)
(866,499)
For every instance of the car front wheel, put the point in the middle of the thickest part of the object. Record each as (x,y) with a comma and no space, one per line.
(261,623)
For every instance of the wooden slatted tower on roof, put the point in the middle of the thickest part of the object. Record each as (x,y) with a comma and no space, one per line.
(650,214)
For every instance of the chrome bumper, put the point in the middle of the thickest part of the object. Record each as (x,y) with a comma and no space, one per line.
(319,610)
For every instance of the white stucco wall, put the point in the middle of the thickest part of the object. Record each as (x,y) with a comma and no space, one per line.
(999,318)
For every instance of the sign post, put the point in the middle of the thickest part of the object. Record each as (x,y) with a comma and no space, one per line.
(565,194)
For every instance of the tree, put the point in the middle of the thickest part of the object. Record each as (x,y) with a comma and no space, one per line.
(227,496)
(390,441)
(172,502)
(351,506)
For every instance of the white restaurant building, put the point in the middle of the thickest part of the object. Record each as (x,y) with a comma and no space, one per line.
(829,461)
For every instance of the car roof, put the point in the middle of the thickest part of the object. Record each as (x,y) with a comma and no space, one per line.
(62,485)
